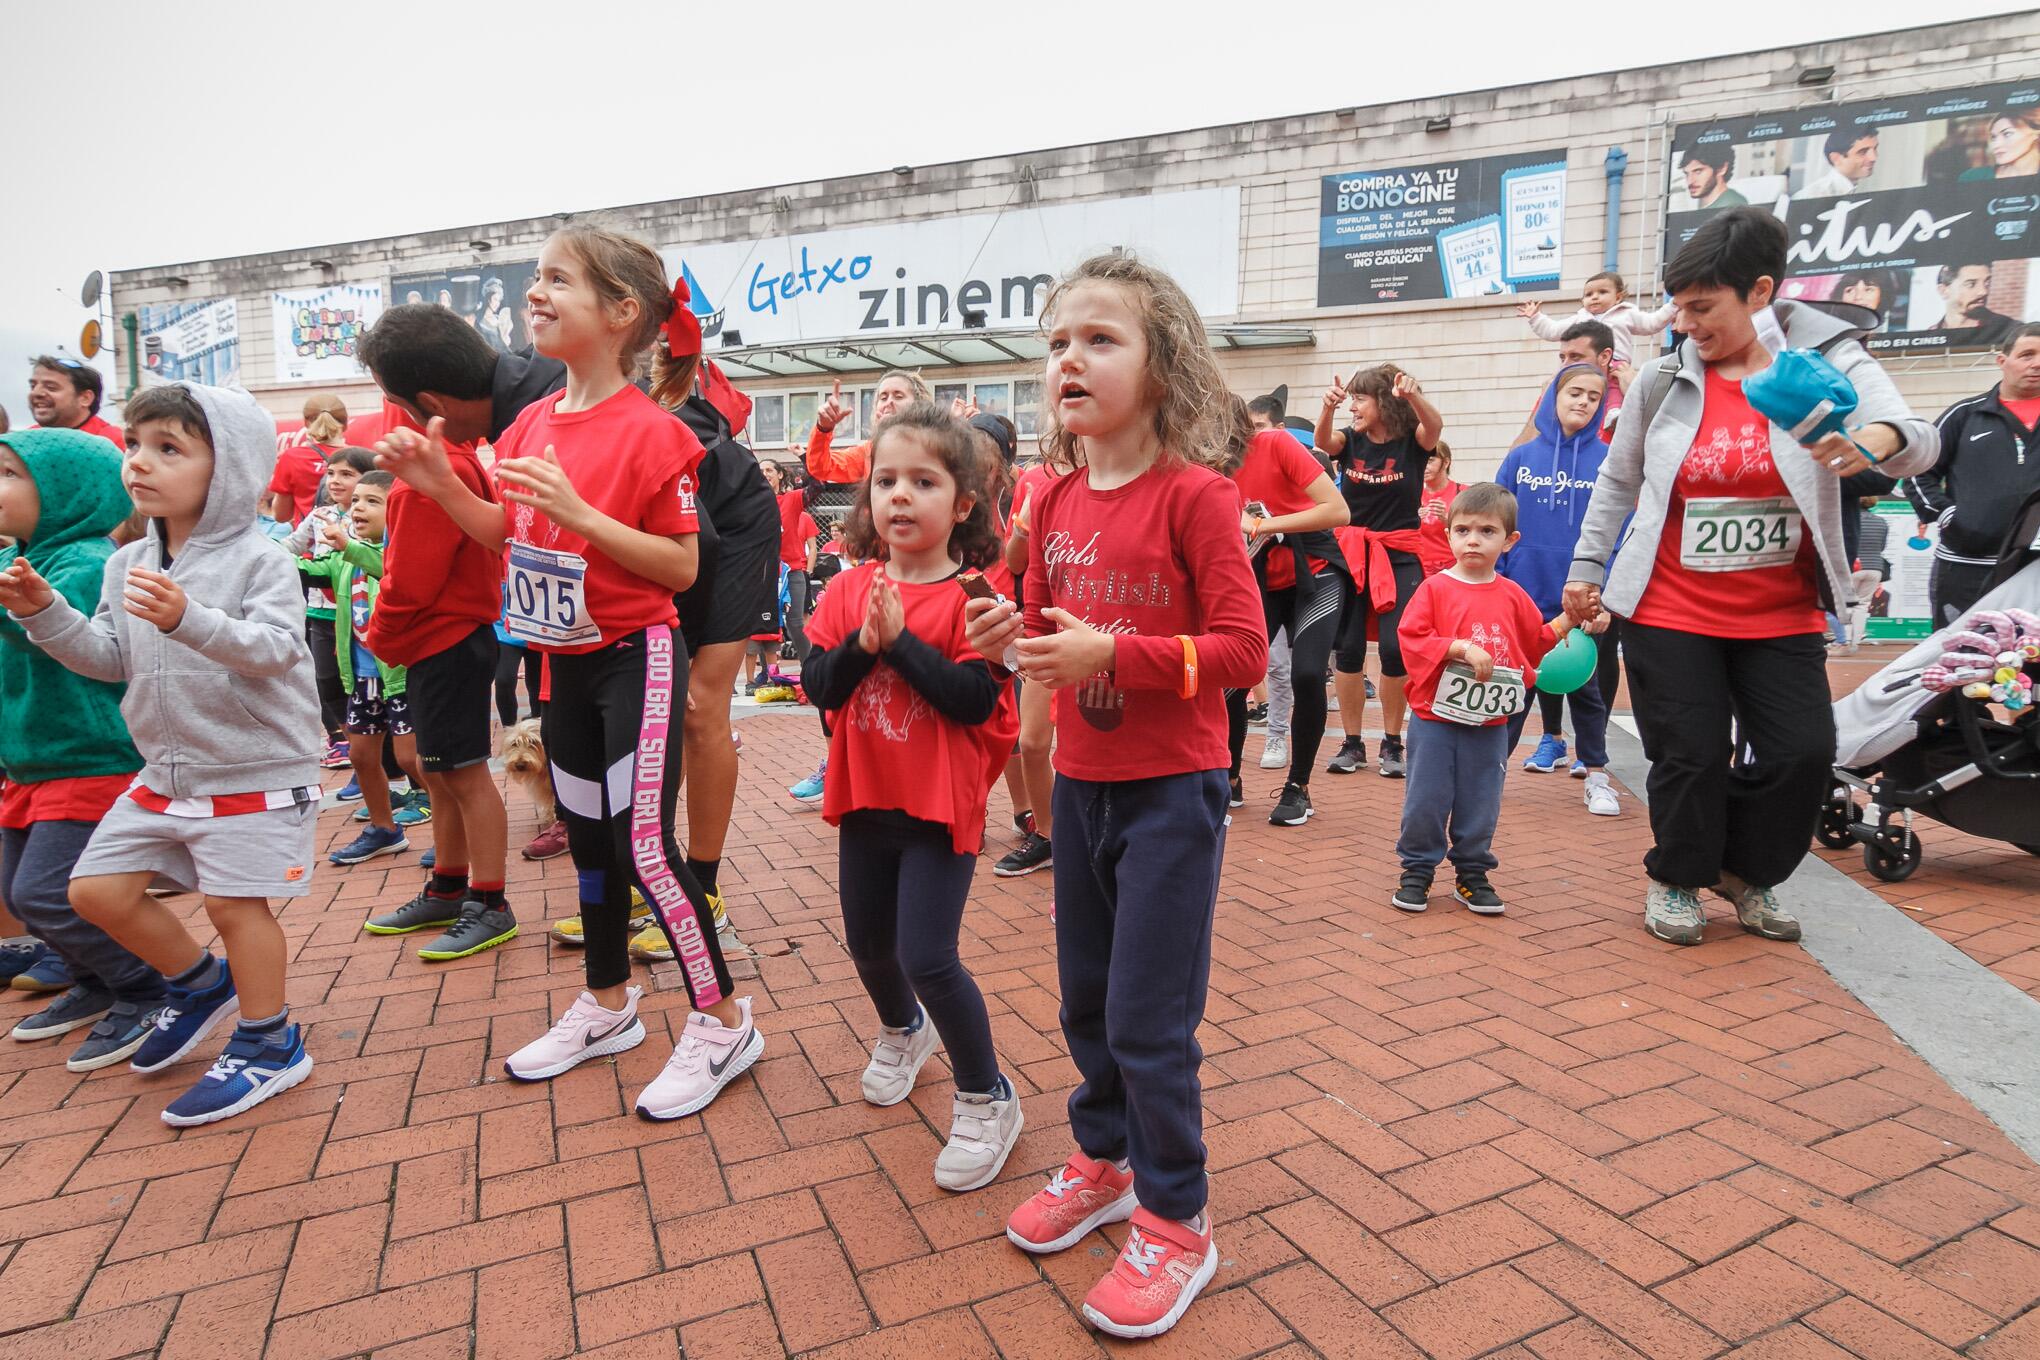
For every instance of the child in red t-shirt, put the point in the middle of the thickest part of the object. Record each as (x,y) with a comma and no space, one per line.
(601,530)
(919,727)
(1037,719)
(1140,611)
(1471,639)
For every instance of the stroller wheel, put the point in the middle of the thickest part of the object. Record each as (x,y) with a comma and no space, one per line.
(1837,815)
(1894,863)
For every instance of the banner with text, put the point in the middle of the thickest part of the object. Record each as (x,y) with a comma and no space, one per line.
(870,283)
(490,298)
(316,331)
(190,341)
(1452,229)
(1919,207)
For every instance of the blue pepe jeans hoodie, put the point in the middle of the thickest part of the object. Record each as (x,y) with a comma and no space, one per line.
(1553,476)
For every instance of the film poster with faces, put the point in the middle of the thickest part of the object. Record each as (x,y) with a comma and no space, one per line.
(488,297)
(1921,207)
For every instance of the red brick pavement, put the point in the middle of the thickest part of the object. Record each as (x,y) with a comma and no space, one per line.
(1545,1137)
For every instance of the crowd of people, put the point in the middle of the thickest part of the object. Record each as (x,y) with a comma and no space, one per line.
(196,624)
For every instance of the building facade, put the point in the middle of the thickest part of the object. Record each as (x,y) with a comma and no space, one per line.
(1312,244)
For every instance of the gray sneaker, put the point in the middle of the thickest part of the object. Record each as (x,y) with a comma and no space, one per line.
(1350,759)
(75,1008)
(1673,914)
(115,1037)
(982,1131)
(478,928)
(1758,910)
(1393,763)
(896,1060)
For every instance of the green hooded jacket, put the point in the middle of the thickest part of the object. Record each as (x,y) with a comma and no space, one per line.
(55,724)
(340,570)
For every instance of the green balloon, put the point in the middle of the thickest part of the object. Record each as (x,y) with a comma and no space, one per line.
(1568,665)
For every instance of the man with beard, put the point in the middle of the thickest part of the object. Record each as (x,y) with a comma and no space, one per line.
(1707,168)
(64,394)
(1965,293)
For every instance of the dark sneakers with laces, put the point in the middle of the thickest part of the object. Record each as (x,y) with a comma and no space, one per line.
(1032,853)
(479,927)
(1292,808)
(1393,764)
(1351,758)
(1414,893)
(1237,792)
(423,912)
(1479,895)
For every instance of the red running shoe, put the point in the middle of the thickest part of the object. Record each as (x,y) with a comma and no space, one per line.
(550,843)
(1163,1268)
(1082,1196)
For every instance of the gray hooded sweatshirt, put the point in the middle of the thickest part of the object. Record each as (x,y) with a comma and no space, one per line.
(1644,462)
(227,701)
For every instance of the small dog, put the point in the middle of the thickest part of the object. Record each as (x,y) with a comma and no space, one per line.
(524,761)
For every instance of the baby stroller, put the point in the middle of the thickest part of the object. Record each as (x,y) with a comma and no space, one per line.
(1916,737)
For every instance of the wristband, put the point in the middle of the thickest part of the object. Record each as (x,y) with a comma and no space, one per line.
(1187,689)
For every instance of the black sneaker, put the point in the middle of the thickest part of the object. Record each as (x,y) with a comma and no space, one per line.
(1393,765)
(115,1037)
(1351,759)
(1031,854)
(1238,794)
(423,912)
(1023,822)
(1479,895)
(1414,894)
(478,928)
(1257,714)
(1293,808)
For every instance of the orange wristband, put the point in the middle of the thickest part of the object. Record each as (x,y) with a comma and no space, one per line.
(1188,688)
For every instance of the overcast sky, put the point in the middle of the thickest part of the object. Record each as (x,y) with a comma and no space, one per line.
(146,133)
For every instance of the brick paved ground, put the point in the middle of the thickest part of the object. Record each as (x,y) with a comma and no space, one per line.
(1541,1136)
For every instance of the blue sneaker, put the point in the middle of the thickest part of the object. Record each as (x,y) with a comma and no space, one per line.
(120,1032)
(414,808)
(78,1007)
(361,814)
(809,790)
(429,860)
(375,841)
(185,1019)
(47,974)
(1579,769)
(256,1066)
(1550,751)
(18,956)
(350,792)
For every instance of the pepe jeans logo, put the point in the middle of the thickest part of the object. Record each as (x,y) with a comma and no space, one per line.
(1560,482)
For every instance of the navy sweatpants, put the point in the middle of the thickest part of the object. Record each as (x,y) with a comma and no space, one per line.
(35,880)
(1136,882)
(1454,797)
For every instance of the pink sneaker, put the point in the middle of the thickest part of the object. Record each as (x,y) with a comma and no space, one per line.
(1082,1196)
(585,1031)
(550,843)
(710,1056)
(1164,1266)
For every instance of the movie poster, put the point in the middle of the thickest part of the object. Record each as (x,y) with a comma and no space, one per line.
(1919,207)
(1452,229)
(488,297)
(197,341)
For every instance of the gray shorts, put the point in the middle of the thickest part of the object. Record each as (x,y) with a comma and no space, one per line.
(251,854)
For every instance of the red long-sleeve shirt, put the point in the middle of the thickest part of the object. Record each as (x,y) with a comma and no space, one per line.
(826,463)
(1154,560)
(438,583)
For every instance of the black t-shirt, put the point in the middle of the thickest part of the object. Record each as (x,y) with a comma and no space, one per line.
(1383,483)
(733,489)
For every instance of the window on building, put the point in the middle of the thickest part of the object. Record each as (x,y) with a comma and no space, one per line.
(800,415)
(1026,413)
(768,419)
(993,398)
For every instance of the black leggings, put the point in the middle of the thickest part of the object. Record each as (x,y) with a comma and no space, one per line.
(1311,611)
(508,661)
(904,887)
(612,734)
(1352,642)
(320,637)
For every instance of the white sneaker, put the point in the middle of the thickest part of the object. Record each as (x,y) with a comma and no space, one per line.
(1275,752)
(710,1056)
(982,1132)
(896,1059)
(586,1031)
(1601,799)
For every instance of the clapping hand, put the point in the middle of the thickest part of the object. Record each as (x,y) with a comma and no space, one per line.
(1072,654)
(153,596)
(23,590)
(542,484)
(418,460)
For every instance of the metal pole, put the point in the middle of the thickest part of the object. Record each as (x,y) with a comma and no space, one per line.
(133,326)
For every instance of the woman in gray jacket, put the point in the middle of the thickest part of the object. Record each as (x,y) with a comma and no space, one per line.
(1733,554)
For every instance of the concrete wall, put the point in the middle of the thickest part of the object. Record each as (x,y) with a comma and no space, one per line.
(1476,359)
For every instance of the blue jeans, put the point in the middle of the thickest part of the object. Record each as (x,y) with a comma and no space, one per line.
(1454,794)
(35,880)
(1136,882)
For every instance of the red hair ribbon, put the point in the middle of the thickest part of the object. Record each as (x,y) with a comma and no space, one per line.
(683,328)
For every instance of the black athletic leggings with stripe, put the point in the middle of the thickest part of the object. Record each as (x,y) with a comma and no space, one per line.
(1310,610)
(612,733)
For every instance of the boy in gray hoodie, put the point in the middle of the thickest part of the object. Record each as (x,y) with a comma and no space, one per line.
(205,622)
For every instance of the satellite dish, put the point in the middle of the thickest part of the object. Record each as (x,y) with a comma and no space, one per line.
(88,340)
(88,296)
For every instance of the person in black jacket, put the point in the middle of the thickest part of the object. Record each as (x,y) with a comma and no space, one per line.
(1989,465)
